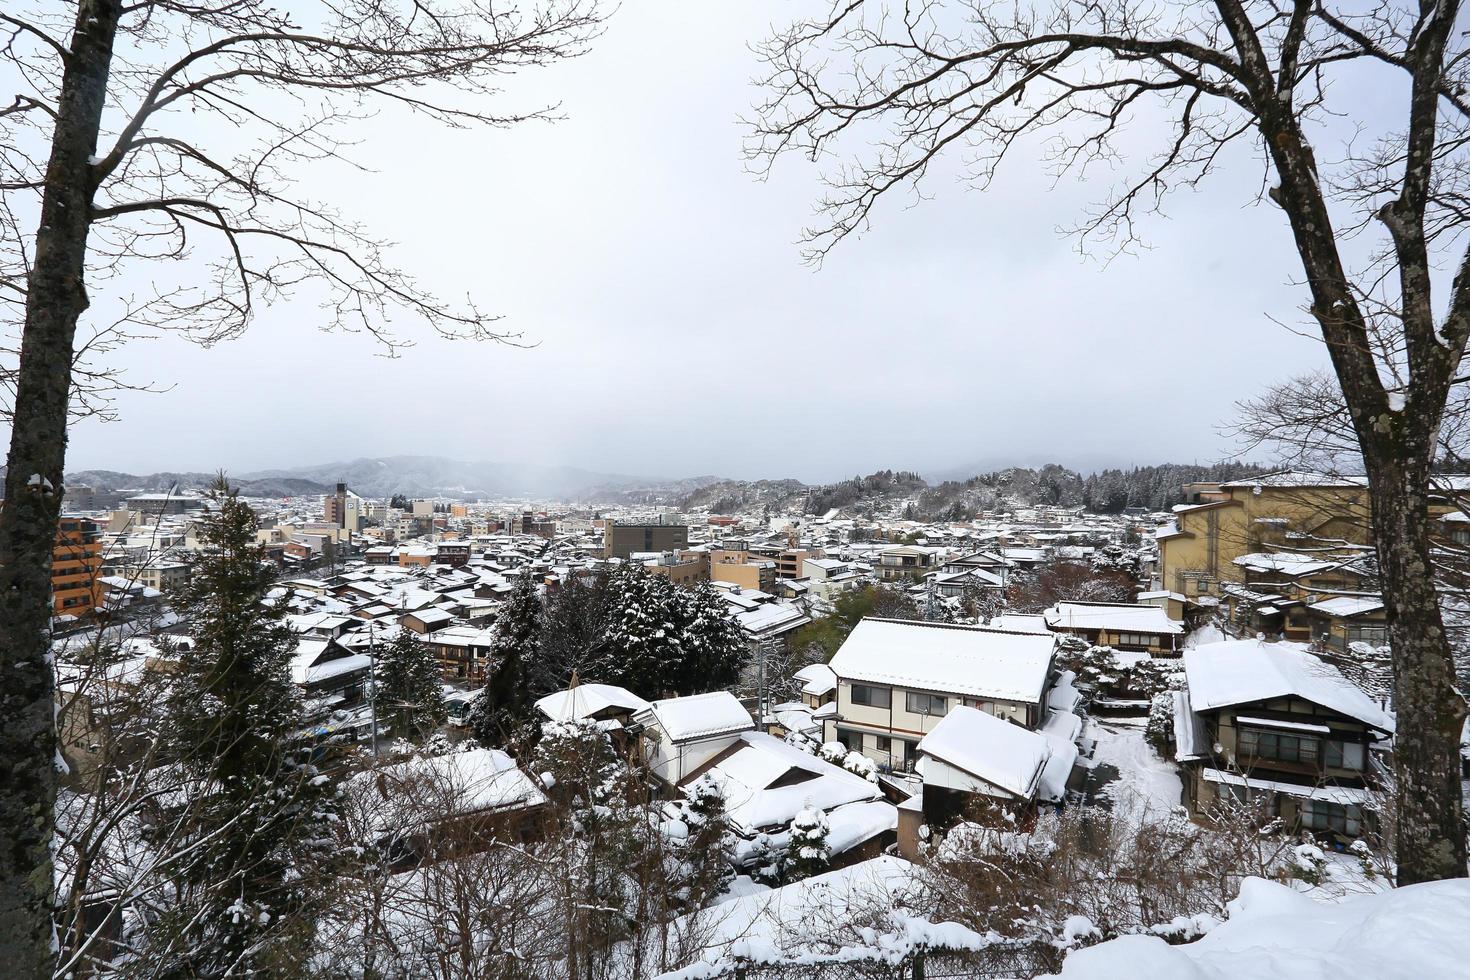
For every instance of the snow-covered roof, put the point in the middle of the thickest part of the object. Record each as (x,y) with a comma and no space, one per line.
(476,781)
(766,782)
(1019,623)
(996,751)
(1345,606)
(816,679)
(798,919)
(973,660)
(1244,671)
(1346,795)
(1299,478)
(701,715)
(586,700)
(328,669)
(1113,617)
(771,617)
(1284,563)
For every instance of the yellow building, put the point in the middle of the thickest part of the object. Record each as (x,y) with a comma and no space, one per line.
(1302,513)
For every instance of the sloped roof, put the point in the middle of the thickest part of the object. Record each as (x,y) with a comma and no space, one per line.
(586,700)
(1114,617)
(766,782)
(996,751)
(1235,672)
(700,715)
(1348,605)
(973,660)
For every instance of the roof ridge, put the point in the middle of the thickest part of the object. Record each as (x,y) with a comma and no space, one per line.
(972,628)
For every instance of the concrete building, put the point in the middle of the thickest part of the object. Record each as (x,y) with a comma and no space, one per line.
(344,509)
(624,540)
(76,568)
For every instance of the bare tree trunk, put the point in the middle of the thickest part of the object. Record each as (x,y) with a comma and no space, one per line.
(1430,713)
(55,299)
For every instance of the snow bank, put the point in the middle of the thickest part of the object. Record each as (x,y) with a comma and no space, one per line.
(1412,932)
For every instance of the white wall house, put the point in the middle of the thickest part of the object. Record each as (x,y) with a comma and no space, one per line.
(896,679)
(682,734)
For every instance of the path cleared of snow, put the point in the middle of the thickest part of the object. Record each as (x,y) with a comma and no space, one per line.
(1146,784)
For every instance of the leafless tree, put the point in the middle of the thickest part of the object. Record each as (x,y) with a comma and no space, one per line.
(103,152)
(910,83)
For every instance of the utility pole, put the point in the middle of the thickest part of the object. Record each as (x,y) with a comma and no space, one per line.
(373,681)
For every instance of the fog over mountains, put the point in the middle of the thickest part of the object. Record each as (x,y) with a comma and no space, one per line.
(409,475)
(921,496)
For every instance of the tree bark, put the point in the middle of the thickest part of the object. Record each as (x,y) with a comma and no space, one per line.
(55,299)
(1430,841)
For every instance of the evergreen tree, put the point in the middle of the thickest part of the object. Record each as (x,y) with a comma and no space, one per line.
(807,853)
(644,645)
(406,688)
(574,624)
(709,849)
(248,838)
(505,705)
(714,650)
(663,638)
(592,825)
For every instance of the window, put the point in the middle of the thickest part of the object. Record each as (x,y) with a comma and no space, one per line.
(927,704)
(1342,818)
(883,743)
(852,741)
(1343,755)
(1137,640)
(1374,636)
(873,697)
(1277,745)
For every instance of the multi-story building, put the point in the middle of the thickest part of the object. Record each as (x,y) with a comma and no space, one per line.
(160,575)
(1298,512)
(158,504)
(897,678)
(625,540)
(344,509)
(906,561)
(76,568)
(1271,726)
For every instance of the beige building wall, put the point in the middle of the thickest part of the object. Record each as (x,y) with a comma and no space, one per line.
(1201,556)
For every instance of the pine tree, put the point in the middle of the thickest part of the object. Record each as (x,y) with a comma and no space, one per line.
(248,839)
(505,704)
(807,853)
(708,851)
(662,638)
(715,651)
(574,625)
(406,688)
(644,644)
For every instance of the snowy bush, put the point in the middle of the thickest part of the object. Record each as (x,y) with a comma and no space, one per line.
(807,853)
(1308,863)
(798,740)
(1160,729)
(833,752)
(860,765)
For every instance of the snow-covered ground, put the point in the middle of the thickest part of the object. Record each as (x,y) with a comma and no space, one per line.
(1403,934)
(1146,784)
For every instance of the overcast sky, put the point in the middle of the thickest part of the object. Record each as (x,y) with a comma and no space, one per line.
(678,332)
